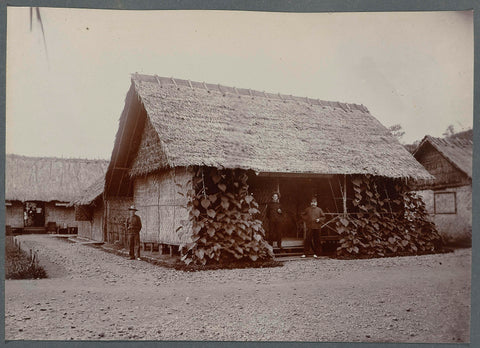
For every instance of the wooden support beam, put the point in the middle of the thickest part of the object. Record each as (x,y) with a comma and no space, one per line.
(130,100)
(137,116)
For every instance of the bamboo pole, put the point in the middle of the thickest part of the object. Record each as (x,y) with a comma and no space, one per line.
(333,194)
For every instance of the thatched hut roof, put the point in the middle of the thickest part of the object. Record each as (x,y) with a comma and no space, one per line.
(219,126)
(91,193)
(48,178)
(456,150)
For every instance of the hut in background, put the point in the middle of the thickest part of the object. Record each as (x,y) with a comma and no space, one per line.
(90,212)
(449,197)
(38,190)
(297,146)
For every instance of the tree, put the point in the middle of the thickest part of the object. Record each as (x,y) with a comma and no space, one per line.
(449,131)
(397,131)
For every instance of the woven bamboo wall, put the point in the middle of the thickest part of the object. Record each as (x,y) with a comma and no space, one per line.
(97,222)
(161,208)
(117,213)
(457,226)
(85,229)
(83,213)
(14,214)
(445,173)
(63,216)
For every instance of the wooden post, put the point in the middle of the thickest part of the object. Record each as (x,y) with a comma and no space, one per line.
(344,195)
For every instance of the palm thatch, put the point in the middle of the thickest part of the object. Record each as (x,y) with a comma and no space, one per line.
(91,193)
(456,150)
(213,125)
(48,178)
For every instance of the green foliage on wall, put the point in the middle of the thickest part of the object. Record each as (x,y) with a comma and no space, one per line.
(386,225)
(224,221)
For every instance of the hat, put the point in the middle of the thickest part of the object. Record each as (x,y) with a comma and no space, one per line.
(132,207)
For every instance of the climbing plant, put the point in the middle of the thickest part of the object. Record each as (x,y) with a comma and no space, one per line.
(386,225)
(223,218)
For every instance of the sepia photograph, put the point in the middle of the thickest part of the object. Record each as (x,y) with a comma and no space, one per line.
(238,176)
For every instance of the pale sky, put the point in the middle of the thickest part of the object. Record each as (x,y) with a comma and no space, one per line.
(412,68)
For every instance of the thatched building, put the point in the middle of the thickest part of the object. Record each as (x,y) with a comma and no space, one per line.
(449,197)
(297,146)
(90,211)
(38,189)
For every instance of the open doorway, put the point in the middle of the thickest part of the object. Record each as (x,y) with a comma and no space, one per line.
(34,214)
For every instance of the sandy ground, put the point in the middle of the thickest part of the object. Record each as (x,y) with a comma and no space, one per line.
(94,295)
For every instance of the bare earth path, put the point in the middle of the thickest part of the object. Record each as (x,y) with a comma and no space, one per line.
(96,295)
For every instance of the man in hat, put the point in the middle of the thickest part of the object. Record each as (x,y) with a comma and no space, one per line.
(274,215)
(134,225)
(313,217)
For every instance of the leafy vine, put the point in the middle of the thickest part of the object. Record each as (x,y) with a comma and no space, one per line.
(223,217)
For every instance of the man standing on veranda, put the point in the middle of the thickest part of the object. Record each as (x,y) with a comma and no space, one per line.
(313,217)
(134,225)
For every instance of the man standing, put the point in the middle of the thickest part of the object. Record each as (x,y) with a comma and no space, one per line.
(274,215)
(134,225)
(313,217)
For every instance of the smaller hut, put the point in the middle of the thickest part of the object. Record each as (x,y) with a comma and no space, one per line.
(449,197)
(90,211)
(98,218)
(38,191)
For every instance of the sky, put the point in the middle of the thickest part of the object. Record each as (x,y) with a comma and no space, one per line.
(65,96)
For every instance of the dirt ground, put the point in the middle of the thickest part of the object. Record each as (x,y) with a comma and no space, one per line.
(94,295)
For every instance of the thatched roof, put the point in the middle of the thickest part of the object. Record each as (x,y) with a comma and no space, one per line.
(48,178)
(214,125)
(91,193)
(456,150)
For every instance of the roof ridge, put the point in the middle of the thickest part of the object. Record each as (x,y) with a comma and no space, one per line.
(73,159)
(236,91)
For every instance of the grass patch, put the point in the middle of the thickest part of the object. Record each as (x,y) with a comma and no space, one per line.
(18,264)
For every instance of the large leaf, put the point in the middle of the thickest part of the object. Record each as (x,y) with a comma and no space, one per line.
(212,198)
(248,199)
(196,212)
(344,221)
(229,229)
(225,205)
(205,203)
(216,178)
(211,231)
(222,187)
(200,253)
(211,213)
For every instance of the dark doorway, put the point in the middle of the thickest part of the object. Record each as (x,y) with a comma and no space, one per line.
(34,214)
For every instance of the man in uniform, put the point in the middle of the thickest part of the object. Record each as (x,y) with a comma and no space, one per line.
(313,217)
(274,215)
(134,225)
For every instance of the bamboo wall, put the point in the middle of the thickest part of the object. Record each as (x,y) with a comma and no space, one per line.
(452,227)
(97,222)
(85,229)
(444,172)
(63,216)
(162,208)
(93,229)
(14,214)
(116,215)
